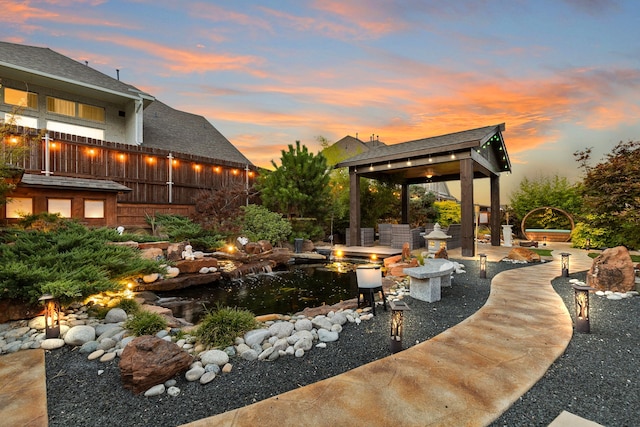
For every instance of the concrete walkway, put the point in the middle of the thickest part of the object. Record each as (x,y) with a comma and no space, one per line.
(466,376)
(23,389)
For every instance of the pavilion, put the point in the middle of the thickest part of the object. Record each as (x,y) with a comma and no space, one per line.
(463,156)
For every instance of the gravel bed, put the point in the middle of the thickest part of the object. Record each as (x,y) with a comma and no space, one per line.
(606,392)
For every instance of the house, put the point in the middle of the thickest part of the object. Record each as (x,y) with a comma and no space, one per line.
(111,153)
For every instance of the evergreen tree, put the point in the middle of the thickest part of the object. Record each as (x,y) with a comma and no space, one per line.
(299,187)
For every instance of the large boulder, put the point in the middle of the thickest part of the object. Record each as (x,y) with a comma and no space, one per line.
(148,361)
(80,334)
(612,270)
(523,254)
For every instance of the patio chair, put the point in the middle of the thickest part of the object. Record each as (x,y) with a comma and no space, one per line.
(369,277)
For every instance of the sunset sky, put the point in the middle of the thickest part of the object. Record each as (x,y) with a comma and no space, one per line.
(563,75)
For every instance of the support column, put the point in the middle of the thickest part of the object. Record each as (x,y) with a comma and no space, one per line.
(495,210)
(354,207)
(404,204)
(466,207)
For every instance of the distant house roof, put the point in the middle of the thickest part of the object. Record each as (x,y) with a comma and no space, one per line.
(51,65)
(52,181)
(348,147)
(178,131)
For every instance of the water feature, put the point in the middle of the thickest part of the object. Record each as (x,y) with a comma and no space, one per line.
(286,291)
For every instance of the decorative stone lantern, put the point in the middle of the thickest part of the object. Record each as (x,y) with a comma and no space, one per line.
(436,240)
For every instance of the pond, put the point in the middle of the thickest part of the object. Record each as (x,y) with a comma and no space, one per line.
(286,292)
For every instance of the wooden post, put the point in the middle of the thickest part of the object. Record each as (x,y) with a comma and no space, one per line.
(354,207)
(495,210)
(466,207)
(404,203)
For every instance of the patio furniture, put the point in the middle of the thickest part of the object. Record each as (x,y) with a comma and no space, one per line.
(367,237)
(426,281)
(384,230)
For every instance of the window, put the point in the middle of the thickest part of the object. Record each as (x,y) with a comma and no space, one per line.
(76,130)
(61,106)
(94,208)
(89,112)
(60,206)
(19,206)
(20,98)
(28,122)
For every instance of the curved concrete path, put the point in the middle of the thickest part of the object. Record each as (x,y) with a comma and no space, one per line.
(466,376)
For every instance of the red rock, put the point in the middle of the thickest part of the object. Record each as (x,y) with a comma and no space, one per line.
(159,245)
(523,254)
(174,251)
(265,245)
(151,253)
(149,361)
(252,248)
(441,253)
(612,270)
(14,309)
(194,266)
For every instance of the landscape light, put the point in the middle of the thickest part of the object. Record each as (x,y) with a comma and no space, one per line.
(397,324)
(581,298)
(565,263)
(483,266)
(51,316)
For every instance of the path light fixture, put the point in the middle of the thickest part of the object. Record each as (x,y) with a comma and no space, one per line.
(587,244)
(565,263)
(581,298)
(544,240)
(397,324)
(483,266)
(51,316)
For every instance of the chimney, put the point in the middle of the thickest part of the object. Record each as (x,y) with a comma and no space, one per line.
(118,74)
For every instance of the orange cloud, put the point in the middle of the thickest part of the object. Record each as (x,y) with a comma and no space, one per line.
(19,14)
(187,61)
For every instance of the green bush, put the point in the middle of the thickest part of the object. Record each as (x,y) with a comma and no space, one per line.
(129,305)
(598,237)
(180,228)
(65,259)
(220,328)
(262,224)
(145,323)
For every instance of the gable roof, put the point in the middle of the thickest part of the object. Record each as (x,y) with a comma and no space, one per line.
(449,142)
(178,131)
(53,66)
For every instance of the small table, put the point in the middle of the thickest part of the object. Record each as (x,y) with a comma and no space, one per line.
(426,281)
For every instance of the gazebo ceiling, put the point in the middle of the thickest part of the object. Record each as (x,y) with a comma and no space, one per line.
(435,159)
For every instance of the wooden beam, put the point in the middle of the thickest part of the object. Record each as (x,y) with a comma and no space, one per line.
(405,203)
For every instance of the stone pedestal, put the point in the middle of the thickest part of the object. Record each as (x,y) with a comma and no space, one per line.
(426,281)
(507,235)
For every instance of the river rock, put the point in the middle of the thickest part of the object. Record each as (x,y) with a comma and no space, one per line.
(207,377)
(149,360)
(194,374)
(281,329)
(321,322)
(80,334)
(303,325)
(327,336)
(612,270)
(52,343)
(256,336)
(156,390)
(217,357)
(115,315)
(249,355)
(37,323)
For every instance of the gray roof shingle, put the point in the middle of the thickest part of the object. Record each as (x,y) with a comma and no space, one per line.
(48,62)
(73,183)
(178,131)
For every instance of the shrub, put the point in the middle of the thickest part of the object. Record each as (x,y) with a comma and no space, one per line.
(262,224)
(220,328)
(65,259)
(145,323)
(129,305)
(181,228)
